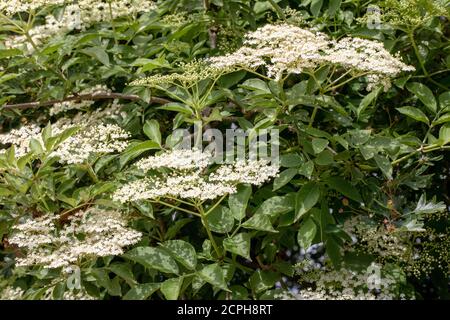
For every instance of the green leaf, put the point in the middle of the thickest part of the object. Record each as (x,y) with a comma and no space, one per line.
(153,258)
(178,107)
(239,244)
(97,53)
(151,130)
(259,222)
(275,206)
(307,169)
(384,164)
(306,233)
(306,199)
(319,145)
(316,5)
(36,146)
(424,94)
(263,280)
(141,291)
(144,207)
(366,101)
(291,160)
(238,201)
(325,158)
(444,101)
(4,192)
(284,178)
(256,85)
(171,288)
(220,220)
(230,79)
(123,270)
(344,187)
(414,113)
(136,150)
(444,119)
(333,251)
(6,53)
(183,252)
(444,133)
(214,275)
(333,7)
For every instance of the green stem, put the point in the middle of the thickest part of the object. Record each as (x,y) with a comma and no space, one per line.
(175,207)
(113,25)
(423,150)
(215,205)
(313,116)
(208,231)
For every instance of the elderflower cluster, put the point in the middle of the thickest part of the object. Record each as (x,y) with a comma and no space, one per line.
(253,172)
(92,233)
(192,72)
(185,177)
(21,138)
(378,239)
(77,295)
(11,293)
(77,15)
(180,159)
(412,12)
(346,284)
(93,136)
(102,138)
(367,56)
(11,7)
(284,48)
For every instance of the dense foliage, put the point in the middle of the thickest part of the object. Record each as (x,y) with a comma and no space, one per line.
(95,204)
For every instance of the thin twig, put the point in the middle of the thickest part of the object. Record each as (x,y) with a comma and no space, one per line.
(83,97)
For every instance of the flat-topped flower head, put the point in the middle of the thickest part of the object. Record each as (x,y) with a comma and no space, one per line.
(283,49)
(192,176)
(181,159)
(92,233)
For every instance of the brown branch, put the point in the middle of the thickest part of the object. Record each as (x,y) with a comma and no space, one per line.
(84,97)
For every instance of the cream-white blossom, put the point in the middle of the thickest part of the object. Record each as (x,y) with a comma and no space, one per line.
(99,139)
(185,175)
(91,233)
(283,49)
(76,15)
(92,138)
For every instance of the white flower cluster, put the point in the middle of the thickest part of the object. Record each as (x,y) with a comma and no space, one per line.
(180,159)
(77,295)
(253,172)
(21,138)
(345,284)
(11,7)
(102,138)
(77,15)
(378,240)
(187,178)
(93,136)
(286,48)
(11,293)
(280,48)
(367,56)
(92,233)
